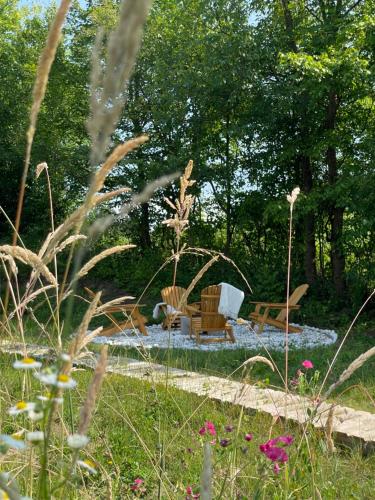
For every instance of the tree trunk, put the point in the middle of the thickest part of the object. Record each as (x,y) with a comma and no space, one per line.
(336,214)
(309,223)
(144,227)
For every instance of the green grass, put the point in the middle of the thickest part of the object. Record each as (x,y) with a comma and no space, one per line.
(358,391)
(139,428)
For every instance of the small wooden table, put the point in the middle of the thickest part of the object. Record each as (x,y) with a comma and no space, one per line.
(134,318)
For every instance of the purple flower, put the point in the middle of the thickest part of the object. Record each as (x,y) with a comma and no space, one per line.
(224,442)
(229,428)
(276,468)
(202,431)
(248,437)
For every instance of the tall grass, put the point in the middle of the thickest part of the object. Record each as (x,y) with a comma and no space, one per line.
(45,449)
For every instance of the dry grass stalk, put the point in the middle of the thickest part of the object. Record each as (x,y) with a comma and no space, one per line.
(101,198)
(199,275)
(89,337)
(102,255)
(329,429)
(357,363)
(259,359)
(93,391)
(30,298)
(109,81)
(30,258)
(69,241)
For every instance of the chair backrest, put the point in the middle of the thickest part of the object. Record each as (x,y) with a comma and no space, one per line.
(293,300)
(172,295)
(211,319)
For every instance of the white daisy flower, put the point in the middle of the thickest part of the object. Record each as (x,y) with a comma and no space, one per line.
(65,357)
(87,465)
(77,441)
(62,381)
(13,441)
(26,364)
(35,436)
(21,407)
(48,398)
(35,415)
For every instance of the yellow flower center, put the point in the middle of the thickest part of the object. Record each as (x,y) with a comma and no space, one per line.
(17,435)
(63,378)
(21,405)
(28,361)
(89,463)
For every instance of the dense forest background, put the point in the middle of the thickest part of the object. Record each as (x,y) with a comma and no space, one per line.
(262,95)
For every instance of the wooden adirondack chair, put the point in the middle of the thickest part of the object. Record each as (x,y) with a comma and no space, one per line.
(207,319)
(172,296)
(262,317)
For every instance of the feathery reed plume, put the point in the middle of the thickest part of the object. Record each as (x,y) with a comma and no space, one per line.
(206,476)
(259,359)
(103,223)
(108,84)
(117,154)
(357,363)
(93,391)
(112,303)
(44,66)
(329,429)
(79,338)
(40,168)
(198,276)
(30,258)
(89,338)
(11,261)
(102,255)
(182,207)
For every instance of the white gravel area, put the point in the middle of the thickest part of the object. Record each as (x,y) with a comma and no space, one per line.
(271,338)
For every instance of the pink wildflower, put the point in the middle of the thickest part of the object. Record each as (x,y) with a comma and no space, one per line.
(286,440)
(307,364)
(276,468)
(189,490)
(211,428)
(137,483)
(208,427)
(248,437)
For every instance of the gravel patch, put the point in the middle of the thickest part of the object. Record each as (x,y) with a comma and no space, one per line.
(271,338)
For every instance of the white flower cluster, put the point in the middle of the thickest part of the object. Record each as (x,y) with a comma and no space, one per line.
(292,198)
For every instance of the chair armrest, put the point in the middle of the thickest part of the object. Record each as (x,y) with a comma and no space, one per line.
(276,305)
(192,310)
